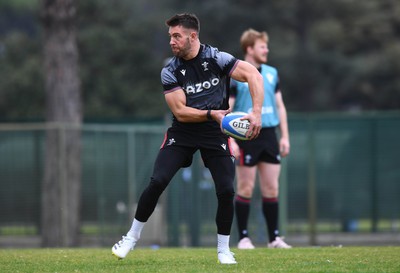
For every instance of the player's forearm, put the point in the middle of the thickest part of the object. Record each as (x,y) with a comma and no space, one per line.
(195,115)
(283,123)
(257,92)
(189,114)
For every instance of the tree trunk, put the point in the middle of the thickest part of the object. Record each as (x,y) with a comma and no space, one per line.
(61,187)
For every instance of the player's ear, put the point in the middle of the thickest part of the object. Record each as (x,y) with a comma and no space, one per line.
(193,35)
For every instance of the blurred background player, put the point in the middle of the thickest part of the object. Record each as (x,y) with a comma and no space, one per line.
(264,153)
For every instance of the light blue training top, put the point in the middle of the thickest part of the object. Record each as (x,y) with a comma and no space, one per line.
(243,101)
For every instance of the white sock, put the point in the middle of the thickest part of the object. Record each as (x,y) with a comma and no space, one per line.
(223,242)
(136,229)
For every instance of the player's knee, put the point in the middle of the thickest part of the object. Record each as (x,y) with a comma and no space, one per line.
(226,193)
(271,191)
(158,184)
(245,191)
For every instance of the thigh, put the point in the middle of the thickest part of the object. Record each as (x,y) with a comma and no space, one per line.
(222,169)
(269,178)
(245,180)
(169,160)
(218,146)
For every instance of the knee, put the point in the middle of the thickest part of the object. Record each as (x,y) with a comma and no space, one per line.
(158,184)
(226,193)
(246,190)
(271,191)
(245,187)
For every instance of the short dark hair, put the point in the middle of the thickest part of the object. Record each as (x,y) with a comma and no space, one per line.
(187,20)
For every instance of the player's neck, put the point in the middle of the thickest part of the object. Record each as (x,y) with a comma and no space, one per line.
(194,51)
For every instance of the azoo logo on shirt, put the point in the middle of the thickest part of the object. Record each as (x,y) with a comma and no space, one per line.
(199,87)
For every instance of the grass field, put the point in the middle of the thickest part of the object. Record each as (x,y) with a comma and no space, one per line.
(310,259)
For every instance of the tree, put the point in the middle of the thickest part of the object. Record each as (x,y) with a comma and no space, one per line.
(331,55)
(61,186)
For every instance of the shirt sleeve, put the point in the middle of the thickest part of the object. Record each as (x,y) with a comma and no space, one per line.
(226,62)
(233,88)
(169,81)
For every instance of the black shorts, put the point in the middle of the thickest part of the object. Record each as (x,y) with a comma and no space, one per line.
(210,144)
(177,152)
(264,148)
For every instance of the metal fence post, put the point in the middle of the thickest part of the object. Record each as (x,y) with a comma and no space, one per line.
(311,189)
(131,171)
(63,183)
(100,185)
(283,198)
(194,193)
(374,168)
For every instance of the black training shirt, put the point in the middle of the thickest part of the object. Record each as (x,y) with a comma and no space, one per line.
(204,79)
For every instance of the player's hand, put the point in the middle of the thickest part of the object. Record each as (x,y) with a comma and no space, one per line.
(255,125)
(218,115)
(284,147)
(235,148)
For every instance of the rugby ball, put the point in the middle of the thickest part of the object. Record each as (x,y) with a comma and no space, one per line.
(234,127)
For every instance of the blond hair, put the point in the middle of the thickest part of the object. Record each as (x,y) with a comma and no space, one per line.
(249,38)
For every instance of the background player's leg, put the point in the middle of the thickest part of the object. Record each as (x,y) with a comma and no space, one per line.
(245,177)
(269,182)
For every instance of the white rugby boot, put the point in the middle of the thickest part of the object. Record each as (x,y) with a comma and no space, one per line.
(122,248)
(226,257)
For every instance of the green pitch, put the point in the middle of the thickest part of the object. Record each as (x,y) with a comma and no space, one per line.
(323,259)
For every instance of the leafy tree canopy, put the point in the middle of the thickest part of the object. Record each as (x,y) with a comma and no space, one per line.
(335,55)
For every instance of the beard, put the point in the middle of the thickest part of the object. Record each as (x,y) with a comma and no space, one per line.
(182,52)
(261,59)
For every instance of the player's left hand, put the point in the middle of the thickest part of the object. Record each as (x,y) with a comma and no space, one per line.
(284,147)
(235,148)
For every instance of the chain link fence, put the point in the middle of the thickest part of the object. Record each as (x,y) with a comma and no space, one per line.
(342,177)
